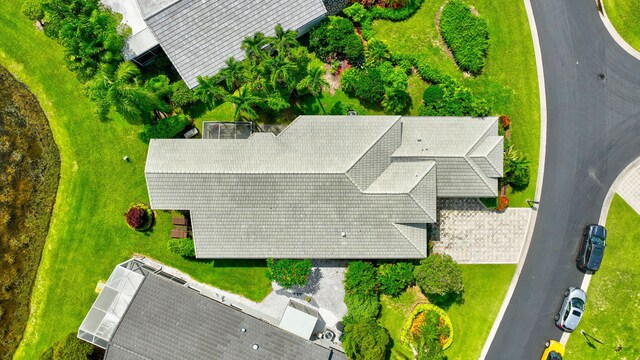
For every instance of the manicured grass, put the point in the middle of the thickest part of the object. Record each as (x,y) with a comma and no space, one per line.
(485,287)
(509,81)
(88,235)
(624,15)
(613,298)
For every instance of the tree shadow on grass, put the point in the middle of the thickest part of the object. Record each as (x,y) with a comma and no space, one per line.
(445,301)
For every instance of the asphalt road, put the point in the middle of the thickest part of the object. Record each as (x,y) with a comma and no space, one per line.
(593,133)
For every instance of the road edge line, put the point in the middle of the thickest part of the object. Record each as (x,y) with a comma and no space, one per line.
(604,212)
(541,162)
(612,31)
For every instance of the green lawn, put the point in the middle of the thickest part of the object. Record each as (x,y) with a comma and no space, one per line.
(88,235)
(625,17)
(613,297)
(485,287)
(509,81)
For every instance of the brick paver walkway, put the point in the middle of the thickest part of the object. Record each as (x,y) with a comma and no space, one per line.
(629,189)
(472,234)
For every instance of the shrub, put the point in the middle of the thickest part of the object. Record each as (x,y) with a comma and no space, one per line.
(516,168)
(164,128)
(182,247)
(376,53)
(382,84)
(503,203)
(360,279)
(466,35)
(139,217)
(357,12)
(439,275)
(452,99)
(289,272)
(181,95)
(69,348)
(32,9)
(394,278)
(361,307)
(336,38)
(365,340)
(505,122)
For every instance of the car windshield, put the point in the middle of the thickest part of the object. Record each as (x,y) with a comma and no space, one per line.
(554,356)
(577,303)
(597,240)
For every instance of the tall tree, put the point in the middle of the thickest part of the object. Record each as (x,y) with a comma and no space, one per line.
(209,92)
(244,102)
(283,40)
(253,46)
(314,83)
(280,70)
(232,74)
(121,89)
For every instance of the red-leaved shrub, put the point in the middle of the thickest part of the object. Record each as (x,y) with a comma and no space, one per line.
(503,203)
(139,217)
(505,121)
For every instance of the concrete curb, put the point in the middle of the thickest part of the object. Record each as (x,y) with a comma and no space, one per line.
(614,34)
(541,161)
(606,204)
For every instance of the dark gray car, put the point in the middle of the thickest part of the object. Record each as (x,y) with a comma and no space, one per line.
(571,309)
(592,247)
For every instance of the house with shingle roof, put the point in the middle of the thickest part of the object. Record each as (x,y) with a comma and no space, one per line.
(198,36)
(146,313)
(337,187)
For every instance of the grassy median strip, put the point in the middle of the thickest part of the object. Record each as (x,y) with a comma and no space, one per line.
(611,320)
(88,235)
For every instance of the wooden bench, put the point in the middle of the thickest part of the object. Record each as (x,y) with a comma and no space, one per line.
(178,234)
(181,221)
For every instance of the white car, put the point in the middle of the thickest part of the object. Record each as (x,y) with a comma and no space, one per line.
(571,309)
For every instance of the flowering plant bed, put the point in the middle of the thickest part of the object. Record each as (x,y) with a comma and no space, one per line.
(418,318)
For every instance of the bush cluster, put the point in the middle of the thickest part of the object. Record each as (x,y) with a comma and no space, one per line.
(88,32)
(452,99)
(289,272)
(139,217)
(435,318)
(394,278)
(182,247)
(164,128)
(69,348)
(363,282)
(336,38)
(466,35)
(516,167)
(382,84)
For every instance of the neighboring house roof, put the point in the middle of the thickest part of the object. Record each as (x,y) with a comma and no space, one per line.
(133,14)
(326,187)
(169,321)
(199,36)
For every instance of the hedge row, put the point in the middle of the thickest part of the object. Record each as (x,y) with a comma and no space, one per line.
(363,16)
(466,35)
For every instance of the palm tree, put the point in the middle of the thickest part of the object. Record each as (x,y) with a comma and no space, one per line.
(253,46)
(283,40)
(232,73)
(280,70)
(120,89)
(244,101)
(314,83)
(209,92)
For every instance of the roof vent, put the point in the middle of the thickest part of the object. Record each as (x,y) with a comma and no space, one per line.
(255,347)
(344,234)
(243,330)
(419,140)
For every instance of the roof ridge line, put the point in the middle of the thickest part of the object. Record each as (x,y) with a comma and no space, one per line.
(487,157)
(479,173)
(395,225)
(482,136)
(378,140)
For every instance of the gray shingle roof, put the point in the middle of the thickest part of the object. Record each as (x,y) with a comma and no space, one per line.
(199,36)
(167,321)
(326,187)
